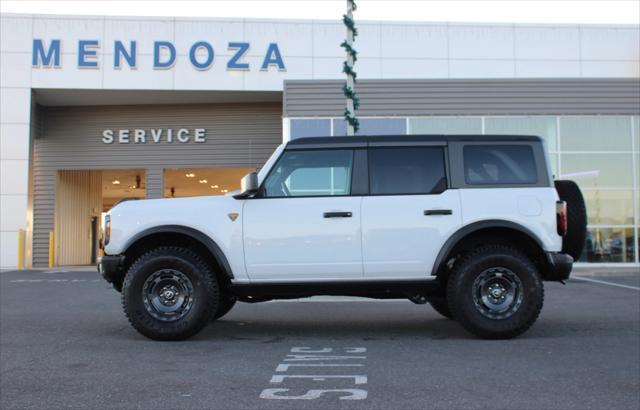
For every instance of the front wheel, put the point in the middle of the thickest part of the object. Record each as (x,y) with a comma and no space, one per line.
(226,304)
(169,293)
(441,306)
(495,292)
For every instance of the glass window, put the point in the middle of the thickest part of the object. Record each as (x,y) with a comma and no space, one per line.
(407,170)
(499,164)
(544,127)
(553,160)
(310,128)
(636,132)
(609,207)
(609,245)
(310,173)
(598,170)
(595,133)
(373,126)
(445,125)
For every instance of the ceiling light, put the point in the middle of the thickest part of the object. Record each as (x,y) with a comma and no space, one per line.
(214,186)
(115,182)
(224,191)
(132,186)
(203,181)
(190,175)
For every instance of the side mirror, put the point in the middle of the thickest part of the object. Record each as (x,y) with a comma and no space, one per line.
(248,185)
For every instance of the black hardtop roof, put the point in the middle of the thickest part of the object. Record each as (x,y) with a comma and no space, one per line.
(364,139)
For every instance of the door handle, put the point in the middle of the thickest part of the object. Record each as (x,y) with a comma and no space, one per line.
(438,212)
(337,214)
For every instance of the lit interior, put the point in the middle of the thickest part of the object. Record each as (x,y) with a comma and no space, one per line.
(185,182)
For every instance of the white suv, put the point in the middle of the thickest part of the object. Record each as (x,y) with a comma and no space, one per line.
(471,224)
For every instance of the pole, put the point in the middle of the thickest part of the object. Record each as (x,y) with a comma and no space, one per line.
(20,249)
(52,249)
(350,62)
(348,88)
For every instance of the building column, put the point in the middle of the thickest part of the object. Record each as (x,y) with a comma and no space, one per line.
(14,170)
(15,133)
(155,183)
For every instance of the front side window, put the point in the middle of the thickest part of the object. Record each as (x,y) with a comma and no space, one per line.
(410,170)
(310,173)
(499,164)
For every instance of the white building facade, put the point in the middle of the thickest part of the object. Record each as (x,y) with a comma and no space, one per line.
(103,108)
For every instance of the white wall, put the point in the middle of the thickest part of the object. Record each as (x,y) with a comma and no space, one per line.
(15,111)
(310,50)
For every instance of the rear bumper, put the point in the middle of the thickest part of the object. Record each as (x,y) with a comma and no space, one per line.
(559,266)
(110,267)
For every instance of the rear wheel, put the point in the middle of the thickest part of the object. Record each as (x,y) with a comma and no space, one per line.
(495,292)
(169,293)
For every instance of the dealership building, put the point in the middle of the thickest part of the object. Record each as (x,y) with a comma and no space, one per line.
(97,109)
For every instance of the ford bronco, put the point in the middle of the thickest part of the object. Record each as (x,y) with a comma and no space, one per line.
(472,225)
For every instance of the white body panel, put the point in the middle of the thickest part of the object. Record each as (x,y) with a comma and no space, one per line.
(399,240)
(531,208)
(208,215)
(290,239)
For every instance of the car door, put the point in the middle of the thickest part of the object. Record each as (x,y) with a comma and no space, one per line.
(304,223)
(409,212)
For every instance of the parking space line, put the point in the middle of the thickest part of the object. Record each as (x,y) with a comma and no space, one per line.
(602,282)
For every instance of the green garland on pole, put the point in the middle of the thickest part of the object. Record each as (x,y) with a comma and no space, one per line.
(348,88)
(347,69)
(350,50)
(352,120)
(351,94)
(351,24)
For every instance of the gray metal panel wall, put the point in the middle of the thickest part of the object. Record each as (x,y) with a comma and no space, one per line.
(238,135)
(306,98)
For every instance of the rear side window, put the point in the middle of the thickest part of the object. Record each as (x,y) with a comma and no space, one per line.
(499,164)
(410,170)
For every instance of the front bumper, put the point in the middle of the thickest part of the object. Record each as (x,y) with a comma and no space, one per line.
(559,266)
(110,267)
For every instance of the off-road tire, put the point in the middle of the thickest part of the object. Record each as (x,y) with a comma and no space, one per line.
(225,305)
(462,282)
(441,306)
(573,242)
(205,293)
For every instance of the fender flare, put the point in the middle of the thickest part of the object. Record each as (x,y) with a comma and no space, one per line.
(195,234)
(474,227)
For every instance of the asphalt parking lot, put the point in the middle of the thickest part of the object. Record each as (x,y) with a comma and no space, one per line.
(65,343)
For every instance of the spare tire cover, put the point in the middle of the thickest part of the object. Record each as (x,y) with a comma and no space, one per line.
(573,242)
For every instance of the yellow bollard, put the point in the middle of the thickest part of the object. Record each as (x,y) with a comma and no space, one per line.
(51,249)
(20,249)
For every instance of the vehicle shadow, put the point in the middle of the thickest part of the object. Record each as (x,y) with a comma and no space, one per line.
(275,322)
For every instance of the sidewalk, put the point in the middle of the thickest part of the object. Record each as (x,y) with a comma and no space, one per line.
(605,271)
